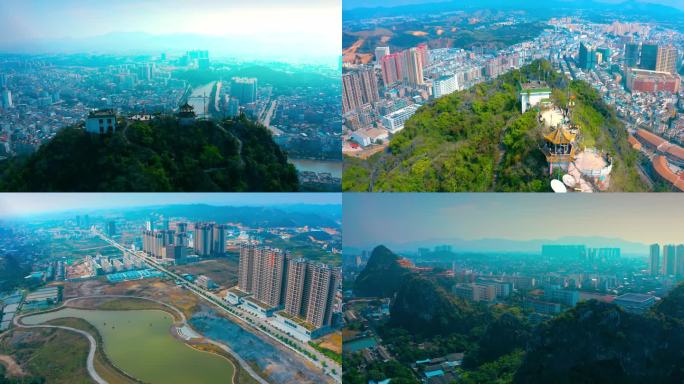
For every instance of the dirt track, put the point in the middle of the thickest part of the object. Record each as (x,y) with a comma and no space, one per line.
(13,369)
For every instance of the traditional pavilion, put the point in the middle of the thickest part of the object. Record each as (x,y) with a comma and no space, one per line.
(186,115)
(560,147)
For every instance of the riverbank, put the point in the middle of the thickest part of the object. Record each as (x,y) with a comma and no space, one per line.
(334,167)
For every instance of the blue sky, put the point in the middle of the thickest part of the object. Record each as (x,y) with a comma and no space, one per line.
(22,204)
(401,218)
(275,27)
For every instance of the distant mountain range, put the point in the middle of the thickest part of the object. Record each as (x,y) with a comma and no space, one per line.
(146,43)
(357,9)
(291,215)
(499,245)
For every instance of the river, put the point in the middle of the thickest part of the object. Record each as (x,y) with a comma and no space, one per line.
(332,166)
(197,101)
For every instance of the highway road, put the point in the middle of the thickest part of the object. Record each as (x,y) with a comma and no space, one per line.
(323,362)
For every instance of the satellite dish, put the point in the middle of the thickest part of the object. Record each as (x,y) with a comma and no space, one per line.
(569,181)
(558,186)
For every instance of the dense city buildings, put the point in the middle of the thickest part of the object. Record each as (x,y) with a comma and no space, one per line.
(41,95)
(633,66)
(208,239)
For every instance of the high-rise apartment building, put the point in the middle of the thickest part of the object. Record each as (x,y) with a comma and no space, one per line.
(269,269)
(219,239)
(244,89)
(666,60)
(181,227)
(654,260)
(381,52)
(632,55)
(182,239)
(311,291)
(297,284)
(414,66)
(649,57)
(359,88)
(586,59)
(204,238)
(261,272)
(323,281)
(669,254)
(351,92)
(423,54)
(7,99)
(305,289)
(111,228)
(679,264)
(392,68)
(155,242)
(246,267)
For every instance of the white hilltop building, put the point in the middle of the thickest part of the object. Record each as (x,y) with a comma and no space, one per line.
(101,121)
(533,93)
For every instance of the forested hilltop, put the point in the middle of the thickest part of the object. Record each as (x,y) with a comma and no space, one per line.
(593,342)
(478,140)
(159,155)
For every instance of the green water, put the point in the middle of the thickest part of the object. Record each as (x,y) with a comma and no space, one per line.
(359,344)
(140,343)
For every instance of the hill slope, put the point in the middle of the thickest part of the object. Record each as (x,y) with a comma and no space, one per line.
(382,276)
(597,342)
(234,155)
(477,140)
(423,307)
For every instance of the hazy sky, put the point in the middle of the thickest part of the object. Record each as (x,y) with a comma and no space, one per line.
(350,4)
(289,24)
(22,204)
(400,218)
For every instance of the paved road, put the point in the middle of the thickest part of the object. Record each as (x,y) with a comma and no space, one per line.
(242,315)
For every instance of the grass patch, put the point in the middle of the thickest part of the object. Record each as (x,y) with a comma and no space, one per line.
(54,355)
(332,355)
(104,367)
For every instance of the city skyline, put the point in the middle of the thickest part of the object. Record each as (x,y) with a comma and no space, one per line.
(258,30)
(354,4)
(16,205)
(377,220)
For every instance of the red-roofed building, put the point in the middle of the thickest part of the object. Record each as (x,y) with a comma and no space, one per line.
(674,152)
(663,169)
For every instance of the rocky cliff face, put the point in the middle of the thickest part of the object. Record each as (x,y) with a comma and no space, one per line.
(599,343)
(382,276)
(422,306)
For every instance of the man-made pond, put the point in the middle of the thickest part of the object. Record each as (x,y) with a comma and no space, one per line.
(359,344)
(140,343)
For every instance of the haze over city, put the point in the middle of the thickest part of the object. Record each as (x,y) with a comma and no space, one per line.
(26,204)
(397,219)
(351,4)
(256,30)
